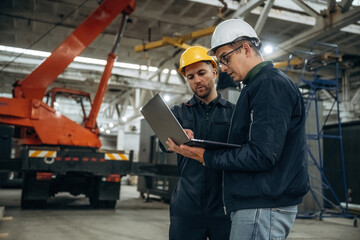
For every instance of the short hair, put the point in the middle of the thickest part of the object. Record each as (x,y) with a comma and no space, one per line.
(209,62)
(253,43)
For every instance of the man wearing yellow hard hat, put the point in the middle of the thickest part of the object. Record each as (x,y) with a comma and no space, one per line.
(196,208)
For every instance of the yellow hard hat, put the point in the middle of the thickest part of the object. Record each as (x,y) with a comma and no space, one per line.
(193,55)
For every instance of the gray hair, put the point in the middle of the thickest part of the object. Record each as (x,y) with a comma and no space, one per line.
(253,43)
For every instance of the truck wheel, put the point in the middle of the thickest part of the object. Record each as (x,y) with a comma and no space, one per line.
(28,185)
(110,204)
(104,194)
(32,204)
(106,204)
(94,202)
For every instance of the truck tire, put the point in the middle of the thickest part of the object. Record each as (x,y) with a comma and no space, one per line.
(106,204)
(104,194)
(26,189)
(32,204)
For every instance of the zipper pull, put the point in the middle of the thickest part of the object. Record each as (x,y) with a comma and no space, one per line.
(251,123)
(225,210)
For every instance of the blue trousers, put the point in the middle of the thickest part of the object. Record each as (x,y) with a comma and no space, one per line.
(199,228)
(262,223)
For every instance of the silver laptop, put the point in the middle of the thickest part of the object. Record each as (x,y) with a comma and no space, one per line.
(165,125)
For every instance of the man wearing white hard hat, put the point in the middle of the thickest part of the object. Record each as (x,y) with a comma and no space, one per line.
(266,178)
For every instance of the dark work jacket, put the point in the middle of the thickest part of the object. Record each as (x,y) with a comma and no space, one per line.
(199,188)
(270,169)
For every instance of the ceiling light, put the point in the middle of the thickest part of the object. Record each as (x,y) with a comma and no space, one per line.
(90,60)
(152,69)
(24,51)
(268,49)
(166,98)
(126,65)
(77,59)
(111,125)
(124,119)
(107,131)
(102,129)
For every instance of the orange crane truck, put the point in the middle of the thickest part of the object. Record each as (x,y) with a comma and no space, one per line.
(55,153)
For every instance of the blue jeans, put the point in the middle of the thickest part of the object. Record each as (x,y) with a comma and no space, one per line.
(199,227)
(262,223)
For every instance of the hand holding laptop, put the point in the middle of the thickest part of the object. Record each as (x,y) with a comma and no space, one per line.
(196,153)
(189,133)
(165,125)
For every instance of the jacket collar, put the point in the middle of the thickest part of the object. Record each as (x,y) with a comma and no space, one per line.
(195,100)
(255,70)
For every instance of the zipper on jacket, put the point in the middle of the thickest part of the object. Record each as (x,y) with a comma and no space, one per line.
(223,192)
(251,123)
(231,120)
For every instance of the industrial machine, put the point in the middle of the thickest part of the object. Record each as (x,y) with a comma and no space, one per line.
(158,184)
(55,153)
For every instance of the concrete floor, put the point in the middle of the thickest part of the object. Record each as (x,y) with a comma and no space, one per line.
(68,217)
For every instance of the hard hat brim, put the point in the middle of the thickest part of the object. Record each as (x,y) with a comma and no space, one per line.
(212,51)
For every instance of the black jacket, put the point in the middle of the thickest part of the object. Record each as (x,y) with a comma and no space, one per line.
(199,188)
(270,169)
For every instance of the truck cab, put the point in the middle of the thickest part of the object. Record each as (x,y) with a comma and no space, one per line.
(75,105)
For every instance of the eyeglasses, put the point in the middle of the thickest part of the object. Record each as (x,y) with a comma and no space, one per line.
(224,60)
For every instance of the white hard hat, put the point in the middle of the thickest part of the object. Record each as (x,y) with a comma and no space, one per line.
(229,30)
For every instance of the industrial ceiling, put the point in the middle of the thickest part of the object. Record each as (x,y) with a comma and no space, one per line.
(291,27)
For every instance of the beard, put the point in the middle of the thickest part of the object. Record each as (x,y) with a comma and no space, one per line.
(203,93)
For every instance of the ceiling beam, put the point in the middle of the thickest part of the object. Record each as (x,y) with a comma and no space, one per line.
(176,41)
(309,10)
(331,5)
(345,5)
(244,10)
(281,12)
(263,17)
(120,98)
(324,25)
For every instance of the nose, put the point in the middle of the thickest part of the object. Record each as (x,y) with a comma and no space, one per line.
(197,78)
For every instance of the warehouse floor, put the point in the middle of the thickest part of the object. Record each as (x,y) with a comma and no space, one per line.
(68,217)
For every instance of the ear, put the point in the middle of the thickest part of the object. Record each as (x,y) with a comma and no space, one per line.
(214,72)
(247,49)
